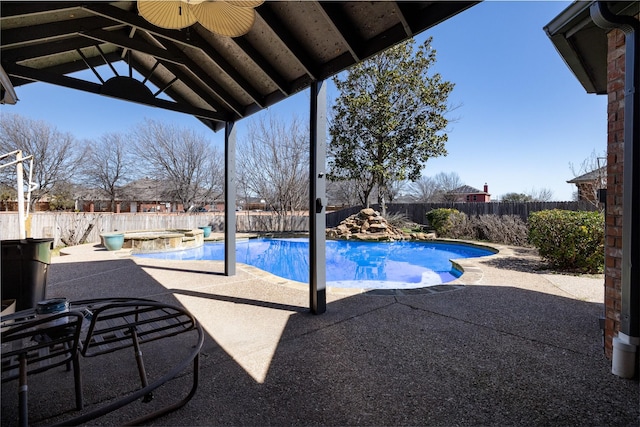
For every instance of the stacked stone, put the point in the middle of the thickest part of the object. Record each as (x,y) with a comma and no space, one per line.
(368,224)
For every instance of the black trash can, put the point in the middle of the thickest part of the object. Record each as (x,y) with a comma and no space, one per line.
(23,268)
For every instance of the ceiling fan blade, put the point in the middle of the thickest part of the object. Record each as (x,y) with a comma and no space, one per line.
(169,14)
(223,18)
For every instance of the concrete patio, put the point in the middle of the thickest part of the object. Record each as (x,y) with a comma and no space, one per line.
(513,346)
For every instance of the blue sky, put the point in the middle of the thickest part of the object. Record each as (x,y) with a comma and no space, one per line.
(523,118)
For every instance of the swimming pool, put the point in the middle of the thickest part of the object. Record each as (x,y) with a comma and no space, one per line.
(350,264)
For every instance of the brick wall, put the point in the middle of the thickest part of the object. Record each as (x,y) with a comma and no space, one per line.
(615,143)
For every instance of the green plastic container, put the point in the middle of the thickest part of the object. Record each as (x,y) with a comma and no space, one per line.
(25,263)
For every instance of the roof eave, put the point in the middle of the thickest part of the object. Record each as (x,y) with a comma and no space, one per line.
(561,30)
(582,44)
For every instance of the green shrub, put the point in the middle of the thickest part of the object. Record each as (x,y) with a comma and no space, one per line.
(440,220)
(569,240)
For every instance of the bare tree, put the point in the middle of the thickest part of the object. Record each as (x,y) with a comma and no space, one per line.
(395,189)
(424,190)
(108,164)
(184,159)
(540,195)
(343,193)
(447,183)
(274,161)
(590,177)
(55,153)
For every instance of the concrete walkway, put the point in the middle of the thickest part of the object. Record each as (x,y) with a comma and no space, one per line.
(506,346)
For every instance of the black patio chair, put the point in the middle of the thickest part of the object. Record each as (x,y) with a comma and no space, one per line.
(121,323)
(32,344)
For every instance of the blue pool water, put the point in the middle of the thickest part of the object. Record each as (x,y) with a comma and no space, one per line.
(350,264)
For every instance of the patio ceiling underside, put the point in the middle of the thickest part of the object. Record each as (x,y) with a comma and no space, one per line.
(215,78)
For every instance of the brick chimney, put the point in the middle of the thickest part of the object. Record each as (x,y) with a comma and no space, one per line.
(486,188)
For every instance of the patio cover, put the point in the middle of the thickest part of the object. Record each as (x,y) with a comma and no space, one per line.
(293,45)
(217,79)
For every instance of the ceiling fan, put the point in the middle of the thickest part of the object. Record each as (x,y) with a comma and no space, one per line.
(232,18)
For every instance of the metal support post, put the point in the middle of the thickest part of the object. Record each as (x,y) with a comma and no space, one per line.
(230,199)
(317,199)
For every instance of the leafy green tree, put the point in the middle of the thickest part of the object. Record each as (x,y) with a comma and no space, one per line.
(542,195)
(7,195)
(388,120)
(61,198)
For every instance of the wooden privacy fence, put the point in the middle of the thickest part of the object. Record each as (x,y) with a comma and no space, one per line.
(74,227)
(417,212)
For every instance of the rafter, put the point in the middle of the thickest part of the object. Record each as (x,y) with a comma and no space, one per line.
(46,76)
(228,69)
(135,44)
(14,9)
(288,39)
(343,27)
(403,20)
(193,40)
(262,62)
(47,49)
(16,37)
(194,68)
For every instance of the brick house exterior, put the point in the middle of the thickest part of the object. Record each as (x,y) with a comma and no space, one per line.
(470,194)
(589,184)
(597,58)
(615,139)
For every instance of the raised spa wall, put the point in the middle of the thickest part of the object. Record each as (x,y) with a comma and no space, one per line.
(163,240)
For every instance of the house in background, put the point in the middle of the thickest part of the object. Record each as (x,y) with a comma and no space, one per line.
(94,200)
(142,195)
(469,194)
(589,184)
(149,195)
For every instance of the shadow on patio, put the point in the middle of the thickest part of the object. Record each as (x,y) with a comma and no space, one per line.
(482,355)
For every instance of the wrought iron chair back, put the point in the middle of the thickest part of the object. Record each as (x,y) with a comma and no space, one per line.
(37,343)
(116,325)
(121,323)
